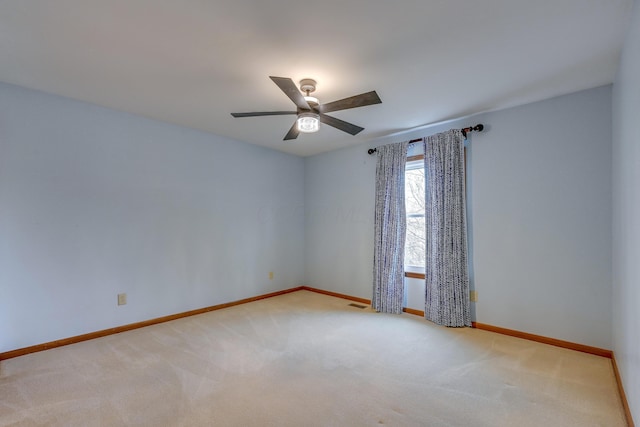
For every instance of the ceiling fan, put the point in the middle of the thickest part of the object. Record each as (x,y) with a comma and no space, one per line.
(310,112)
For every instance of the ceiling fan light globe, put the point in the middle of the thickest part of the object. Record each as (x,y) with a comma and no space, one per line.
(308,122)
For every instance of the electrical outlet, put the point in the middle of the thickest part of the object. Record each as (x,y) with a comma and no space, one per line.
(271,275)
(122,299)
(473,296)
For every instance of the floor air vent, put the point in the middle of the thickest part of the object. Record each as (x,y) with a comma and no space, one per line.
(357,305)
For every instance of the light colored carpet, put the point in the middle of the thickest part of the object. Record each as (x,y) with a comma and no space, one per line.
(305,359)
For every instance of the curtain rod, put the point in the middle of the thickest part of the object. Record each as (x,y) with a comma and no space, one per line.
(477,128)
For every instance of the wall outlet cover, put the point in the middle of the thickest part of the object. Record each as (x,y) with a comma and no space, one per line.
(473,296)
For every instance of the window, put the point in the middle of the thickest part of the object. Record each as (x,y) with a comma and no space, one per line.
(414,249)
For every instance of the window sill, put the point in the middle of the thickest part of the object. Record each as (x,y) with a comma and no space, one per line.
(414,275)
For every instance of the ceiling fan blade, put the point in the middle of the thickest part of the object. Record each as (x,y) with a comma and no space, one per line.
(293,132)
(291,90)
(356,101)
(340,124)
(263,113)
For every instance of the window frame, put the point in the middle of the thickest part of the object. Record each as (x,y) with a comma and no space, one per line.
(411,271)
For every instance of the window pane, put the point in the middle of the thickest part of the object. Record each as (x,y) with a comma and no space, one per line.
(414,247)
(414,199)
(414,190)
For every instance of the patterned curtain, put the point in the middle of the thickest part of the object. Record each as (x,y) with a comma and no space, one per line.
(390,229)
(447,276)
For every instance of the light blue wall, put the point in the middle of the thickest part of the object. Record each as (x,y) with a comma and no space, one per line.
(95,202)
(539,183)
(626,216)
(339,221)
(541,201)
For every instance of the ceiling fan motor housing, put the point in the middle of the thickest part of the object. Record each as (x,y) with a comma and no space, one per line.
(307,85)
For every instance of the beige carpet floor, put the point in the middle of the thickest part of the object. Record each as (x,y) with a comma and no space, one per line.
(305,359)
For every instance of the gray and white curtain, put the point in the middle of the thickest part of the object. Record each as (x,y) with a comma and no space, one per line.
(447,275)
(390,229)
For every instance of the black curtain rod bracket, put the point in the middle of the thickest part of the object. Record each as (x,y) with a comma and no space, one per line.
(477,128)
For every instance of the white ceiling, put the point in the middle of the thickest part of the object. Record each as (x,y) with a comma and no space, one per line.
(192,62)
